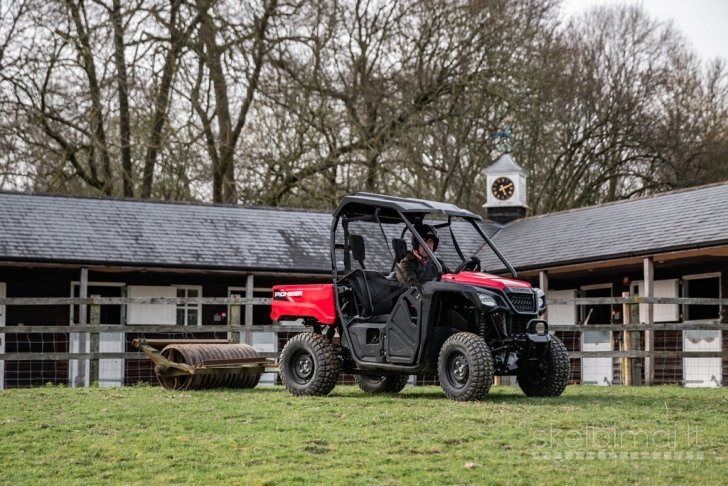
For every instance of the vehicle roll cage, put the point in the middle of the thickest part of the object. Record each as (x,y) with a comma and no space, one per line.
(393,210)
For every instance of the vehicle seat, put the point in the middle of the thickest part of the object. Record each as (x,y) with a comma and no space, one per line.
(373,290)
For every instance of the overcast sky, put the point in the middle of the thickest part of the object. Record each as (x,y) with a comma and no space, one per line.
(703,22)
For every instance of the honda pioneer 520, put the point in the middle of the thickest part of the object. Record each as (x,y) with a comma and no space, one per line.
(466,326)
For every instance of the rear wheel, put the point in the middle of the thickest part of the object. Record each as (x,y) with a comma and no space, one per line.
(552,375)
(309,365)
(374,384)
(465,367)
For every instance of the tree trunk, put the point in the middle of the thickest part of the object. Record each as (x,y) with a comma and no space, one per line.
(96,120)
(124,124)
(161,101)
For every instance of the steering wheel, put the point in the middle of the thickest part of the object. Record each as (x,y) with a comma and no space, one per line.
(472,265)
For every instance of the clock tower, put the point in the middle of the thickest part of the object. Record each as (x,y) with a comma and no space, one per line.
(506,184)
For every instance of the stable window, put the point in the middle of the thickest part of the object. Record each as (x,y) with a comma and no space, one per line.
(189,314)
(109,314)
(705,286)
(596,313)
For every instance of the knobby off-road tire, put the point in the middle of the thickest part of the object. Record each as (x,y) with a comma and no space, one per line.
(551,378)
(465,367)
(374,384)
(309,365)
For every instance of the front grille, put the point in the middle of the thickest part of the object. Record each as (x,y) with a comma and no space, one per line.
(519,324)
(523,300)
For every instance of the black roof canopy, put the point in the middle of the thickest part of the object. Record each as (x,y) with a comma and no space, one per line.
(364,203)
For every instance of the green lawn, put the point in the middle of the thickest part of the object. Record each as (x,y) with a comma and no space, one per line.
(145,435)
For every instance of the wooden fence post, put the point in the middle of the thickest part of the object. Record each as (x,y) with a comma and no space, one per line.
(235,318)
(80,380)
(95,317)
(249,294)
(649,276)
(626,345)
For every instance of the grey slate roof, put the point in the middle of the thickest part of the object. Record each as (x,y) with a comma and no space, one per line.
(691,218)
(82,230)
(58,229)
(43,228)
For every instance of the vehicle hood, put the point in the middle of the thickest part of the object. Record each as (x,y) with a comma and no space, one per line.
(484,280)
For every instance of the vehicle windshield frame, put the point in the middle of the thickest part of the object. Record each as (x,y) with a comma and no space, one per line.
(393,215)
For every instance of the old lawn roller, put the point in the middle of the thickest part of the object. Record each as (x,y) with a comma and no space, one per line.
(199,364)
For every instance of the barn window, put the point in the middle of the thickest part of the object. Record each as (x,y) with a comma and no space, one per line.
(189,314)
(705,286)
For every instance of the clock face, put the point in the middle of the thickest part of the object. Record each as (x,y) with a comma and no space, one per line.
(503,188)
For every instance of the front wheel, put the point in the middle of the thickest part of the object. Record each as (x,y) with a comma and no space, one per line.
(465,367)
(374,384)
(551,376)
(309,365)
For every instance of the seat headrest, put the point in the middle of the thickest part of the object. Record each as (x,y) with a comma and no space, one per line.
(356,243)
(399,245)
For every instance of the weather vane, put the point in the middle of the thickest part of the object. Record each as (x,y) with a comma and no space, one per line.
(502,138)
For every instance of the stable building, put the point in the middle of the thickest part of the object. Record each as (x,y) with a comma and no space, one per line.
(678,241)
(58,246)
(62,246)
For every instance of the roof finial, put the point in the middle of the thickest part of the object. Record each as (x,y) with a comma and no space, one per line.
(502,138)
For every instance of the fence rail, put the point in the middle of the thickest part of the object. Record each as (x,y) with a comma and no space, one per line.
(243,333)
(267,301)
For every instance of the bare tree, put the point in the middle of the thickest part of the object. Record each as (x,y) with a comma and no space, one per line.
(70,91)
(180,32)
(299,102)
(597,130)
(387,83)
(232,45)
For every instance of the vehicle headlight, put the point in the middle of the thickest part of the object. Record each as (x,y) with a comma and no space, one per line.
(487,299)
(541,300)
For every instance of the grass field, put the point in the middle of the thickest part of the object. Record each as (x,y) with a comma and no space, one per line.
(146,435)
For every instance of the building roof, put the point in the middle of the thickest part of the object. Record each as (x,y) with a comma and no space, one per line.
(61,229)
(504,165)
(125,232)
(675,221)
(89,231)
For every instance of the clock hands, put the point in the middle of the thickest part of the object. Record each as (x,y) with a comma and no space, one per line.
(503,188)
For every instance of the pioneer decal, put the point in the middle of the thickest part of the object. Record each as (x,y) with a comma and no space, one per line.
(283,295)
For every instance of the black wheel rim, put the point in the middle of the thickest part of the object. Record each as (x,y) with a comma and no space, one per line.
(540,374)
(373,379)
(458,369)
(302,367)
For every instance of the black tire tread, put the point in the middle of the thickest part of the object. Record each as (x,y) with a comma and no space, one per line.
(481,367)
(327,365)
(390,384)
(555,382)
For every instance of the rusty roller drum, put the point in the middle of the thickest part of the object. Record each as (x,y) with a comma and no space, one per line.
(195,354)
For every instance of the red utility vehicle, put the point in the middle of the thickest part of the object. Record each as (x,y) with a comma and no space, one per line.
(465,326)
